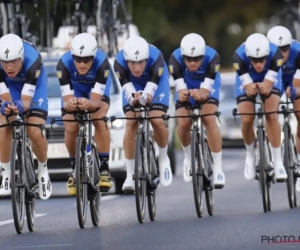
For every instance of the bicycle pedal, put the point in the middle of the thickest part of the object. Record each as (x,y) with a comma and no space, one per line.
(104,189)
(129,192)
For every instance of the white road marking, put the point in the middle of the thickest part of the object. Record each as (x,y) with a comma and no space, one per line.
(39,246)
(5,222)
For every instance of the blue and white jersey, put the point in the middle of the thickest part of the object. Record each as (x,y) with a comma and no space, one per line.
(94,81)
(246,71)
(203,77)
(31,75)
(291,68)
(155,70)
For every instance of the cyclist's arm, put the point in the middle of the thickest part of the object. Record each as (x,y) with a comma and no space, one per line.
(241,68)
(64,77)
(296,79)
(103,75)
(4,91)
(156,71)
(32,75)
(123,75)
(276,62)
(212,69)
(176,71)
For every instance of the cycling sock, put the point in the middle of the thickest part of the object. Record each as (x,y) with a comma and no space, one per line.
(129,167)
(72,160)
(104,159)
(163,152)
(5,166)
(217,159)
(277,155)
(187,151)
(298,155)
(41,165)
(250,149)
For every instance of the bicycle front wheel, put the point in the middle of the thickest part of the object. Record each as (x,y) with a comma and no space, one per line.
(262,172)
(30,195)
(81,185)
(209,190)
(18,181)
(197,172)
(140,178)
(153,173)
(95,203)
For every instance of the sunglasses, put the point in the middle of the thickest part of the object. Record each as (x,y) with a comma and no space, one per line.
(258,60)
(85,59)
(193,59)
(284,48)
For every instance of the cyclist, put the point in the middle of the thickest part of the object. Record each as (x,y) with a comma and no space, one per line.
(84,76)
(142,70)
(195,69)
(290,49)
(258,66)
(23,90)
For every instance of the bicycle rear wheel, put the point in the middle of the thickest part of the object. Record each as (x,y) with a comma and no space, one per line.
(95,203)
(209,190)
(197,172)
(30,196)
(262,172)
(18,181)
(81,186)
(153,173)
(140,178)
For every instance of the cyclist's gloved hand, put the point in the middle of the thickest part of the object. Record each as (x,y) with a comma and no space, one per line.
(293,93)
(130,100)
(3,106)
(20,105)
(143,98)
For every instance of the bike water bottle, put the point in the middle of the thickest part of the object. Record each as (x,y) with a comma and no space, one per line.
(89,157)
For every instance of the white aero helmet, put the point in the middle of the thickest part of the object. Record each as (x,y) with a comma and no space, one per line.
(136,49)
(11,47)
(83,45)
(280,36)
(192,45)
(257,46)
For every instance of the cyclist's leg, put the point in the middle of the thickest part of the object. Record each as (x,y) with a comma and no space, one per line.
(273,128)
(102,138)
(245,105)
(159,107)
(184,135)
(37,114)
(213,132)
(6,136)
(128,142)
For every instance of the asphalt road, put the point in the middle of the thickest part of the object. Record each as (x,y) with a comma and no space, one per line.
(238,223)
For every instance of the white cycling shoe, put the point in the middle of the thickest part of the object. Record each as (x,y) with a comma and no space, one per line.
(128,185)
(45,186)
(219,179)
(250,171)
(298,185)
(187,165)
(280,173)
(5,189)
(165,172)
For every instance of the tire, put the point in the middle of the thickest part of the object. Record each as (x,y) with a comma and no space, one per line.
(209,190)
(172,155)
(81,188)
(262,172)
(31,181)
(197,173)
(139,179)
(95,204)
(269,178)
(153,173)
(18,180)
